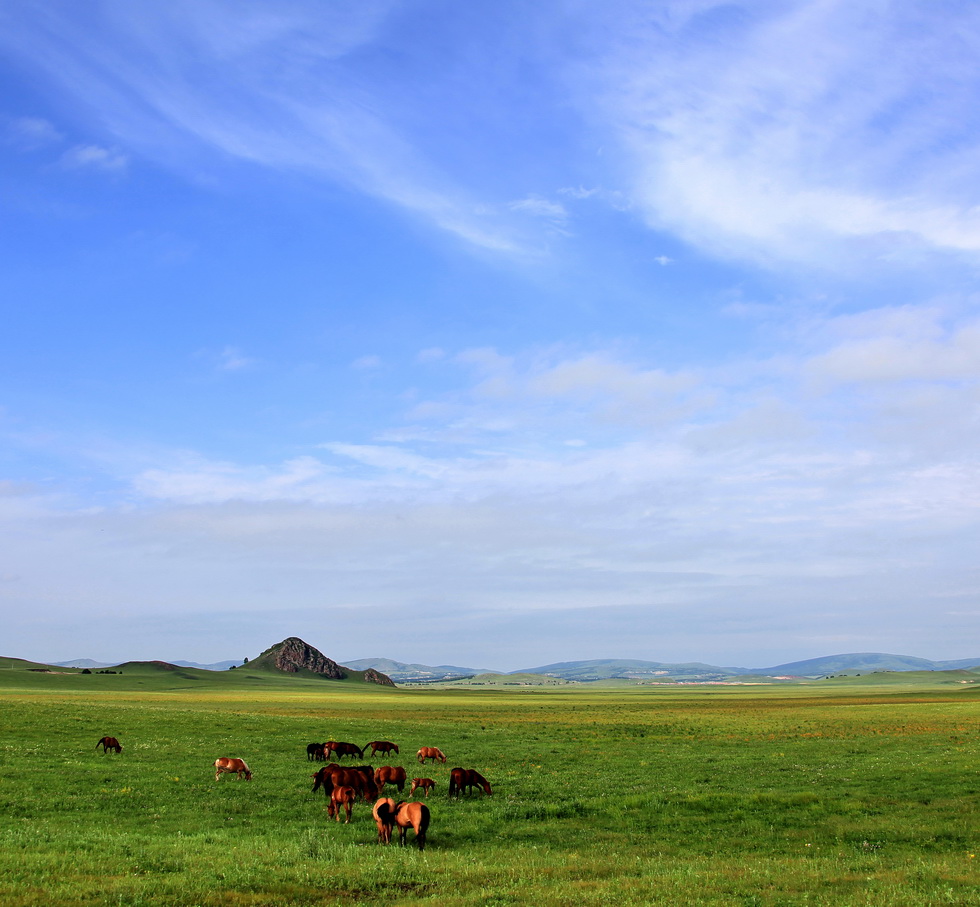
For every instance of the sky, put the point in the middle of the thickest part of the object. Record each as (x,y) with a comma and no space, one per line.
(491,334)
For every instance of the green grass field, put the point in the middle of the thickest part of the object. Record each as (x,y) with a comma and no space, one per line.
(837,793)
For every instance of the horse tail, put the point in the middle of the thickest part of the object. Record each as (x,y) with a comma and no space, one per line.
(423,826)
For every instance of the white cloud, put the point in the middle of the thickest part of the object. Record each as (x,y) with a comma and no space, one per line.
(271,86)
(537,206)
(233,360)
(31,133)
(899,345)
(94,157)
(807,128)
(367,363)
(765,501)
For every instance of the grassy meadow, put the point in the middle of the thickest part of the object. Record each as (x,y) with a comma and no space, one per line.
(836,793)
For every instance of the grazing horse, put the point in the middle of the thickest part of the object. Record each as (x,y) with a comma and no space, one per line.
(426,784)
(409,814)
(238,766)
(332,776)
(463,780)
(109,743)
(383,818)
(381,746)
(342,749)
(342,796)
(390,774)
(314,752)
(430,752)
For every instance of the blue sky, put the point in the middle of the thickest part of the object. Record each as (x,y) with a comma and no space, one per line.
(491,334)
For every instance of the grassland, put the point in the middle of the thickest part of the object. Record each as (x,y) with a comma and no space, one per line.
(840,793)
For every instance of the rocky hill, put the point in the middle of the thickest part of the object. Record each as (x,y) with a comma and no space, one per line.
(294,656)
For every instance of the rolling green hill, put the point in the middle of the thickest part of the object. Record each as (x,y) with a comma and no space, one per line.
(290,664)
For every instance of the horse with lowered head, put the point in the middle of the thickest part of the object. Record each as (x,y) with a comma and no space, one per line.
(463,780)
(239,767)
(360,778)
(426,784)
(341,750)
(109,743)
(385,747)
(430,752)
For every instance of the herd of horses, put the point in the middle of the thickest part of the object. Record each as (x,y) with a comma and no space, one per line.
(344,785)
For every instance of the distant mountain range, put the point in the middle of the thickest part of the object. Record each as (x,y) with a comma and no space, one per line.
(634,669)
(88,663)
(625,669)
(863,662)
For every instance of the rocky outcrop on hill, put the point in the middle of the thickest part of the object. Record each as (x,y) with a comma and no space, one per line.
(372,676)
(293,655)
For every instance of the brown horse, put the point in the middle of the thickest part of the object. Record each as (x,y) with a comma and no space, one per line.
(342,796)
(382,812)
(238,766)
(430,752)
(341,750)
(109,743)
(409,814)
(463,780)
(426,784)
(381,746)
(390,774)
(405,815)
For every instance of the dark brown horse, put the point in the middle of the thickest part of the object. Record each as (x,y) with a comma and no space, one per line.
(314,752)
(405,815)
(463,780)
(322,776)
(341,796)
(426,784)
(341,749)
(382,812)
(390,774)
(385,747)
(109,743)
(360,778)
(238,766)
(430,752)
